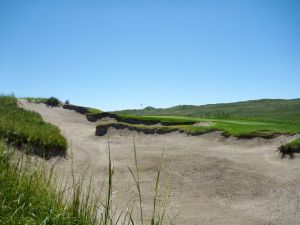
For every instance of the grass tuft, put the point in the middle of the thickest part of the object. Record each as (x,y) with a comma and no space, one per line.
(29,194)
(290,148)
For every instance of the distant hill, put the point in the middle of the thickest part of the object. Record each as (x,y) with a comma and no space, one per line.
(264,109)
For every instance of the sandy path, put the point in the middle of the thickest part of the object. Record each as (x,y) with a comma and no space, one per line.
(215,181)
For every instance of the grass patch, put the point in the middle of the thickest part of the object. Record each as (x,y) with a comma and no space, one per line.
(253,129)
(27,198)
(92,111)
(290,148)
(160,119)
(52,101)
(36,100)
(30,194)
(20,127)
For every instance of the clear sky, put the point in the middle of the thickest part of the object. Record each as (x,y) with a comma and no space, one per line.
(121,54)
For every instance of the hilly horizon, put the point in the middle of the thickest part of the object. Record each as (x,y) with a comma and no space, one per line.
(273,109)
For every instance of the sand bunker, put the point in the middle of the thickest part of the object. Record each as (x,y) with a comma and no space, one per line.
(215,180)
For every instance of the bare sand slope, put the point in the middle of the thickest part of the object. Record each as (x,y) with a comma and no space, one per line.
(215,181)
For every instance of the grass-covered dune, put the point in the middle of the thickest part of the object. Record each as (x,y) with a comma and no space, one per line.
(23,128)
(271,110)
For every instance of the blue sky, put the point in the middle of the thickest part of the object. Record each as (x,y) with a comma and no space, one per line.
(121,54)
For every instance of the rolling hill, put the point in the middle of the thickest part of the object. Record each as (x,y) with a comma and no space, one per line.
(275,110)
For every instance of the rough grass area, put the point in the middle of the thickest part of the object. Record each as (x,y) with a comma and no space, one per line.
(36,100)
(20,127)
(52,101)
(31,195)
(26,196)
(290,148)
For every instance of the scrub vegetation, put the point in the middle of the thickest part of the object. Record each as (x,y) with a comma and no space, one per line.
(23,128)
(29,194)
(52,101)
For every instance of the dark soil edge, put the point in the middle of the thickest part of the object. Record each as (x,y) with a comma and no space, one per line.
(98,116)
(79,109)
(102,129)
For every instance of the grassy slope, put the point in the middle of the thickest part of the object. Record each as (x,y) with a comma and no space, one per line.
(271,110)
(26,196)
(21,127)
(242,119)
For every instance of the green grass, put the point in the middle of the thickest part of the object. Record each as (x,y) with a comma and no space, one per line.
(30,194)
(290,148)
(36,100)
(294,143)
(52,101)
(268,110)
(247,129)
(92,111)
(27,197)
(161,119)
(229,127)
(21,127)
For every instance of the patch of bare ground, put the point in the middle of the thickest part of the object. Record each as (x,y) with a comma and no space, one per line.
(214,180)
(203,124)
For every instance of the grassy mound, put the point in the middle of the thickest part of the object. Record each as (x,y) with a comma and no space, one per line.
(290,148)
(20,127)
